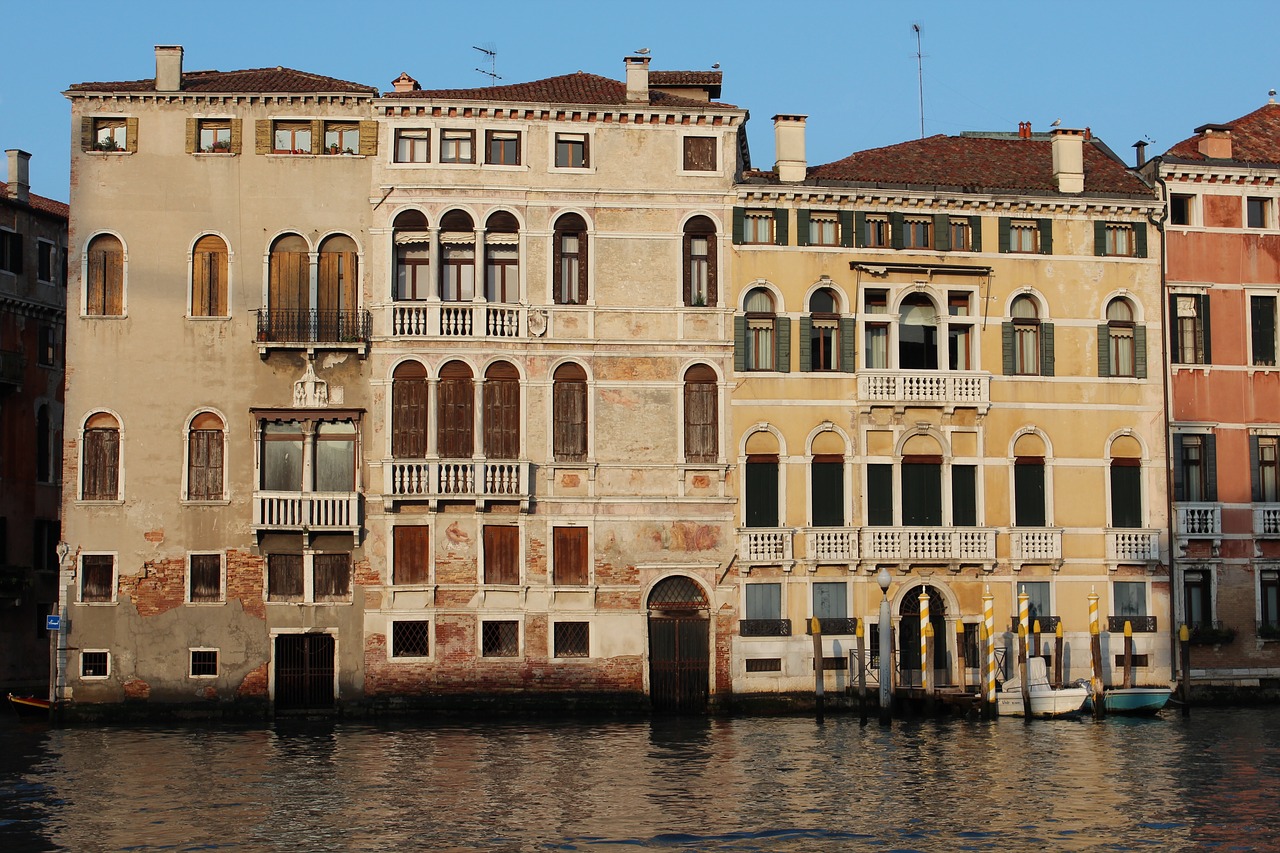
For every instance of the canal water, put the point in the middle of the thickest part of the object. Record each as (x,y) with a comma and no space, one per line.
(736,784)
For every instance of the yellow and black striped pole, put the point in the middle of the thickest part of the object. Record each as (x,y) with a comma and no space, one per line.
(1095,655)
(924,641)
(989,652)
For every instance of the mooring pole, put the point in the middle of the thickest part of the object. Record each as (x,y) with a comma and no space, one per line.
(962,665)
(886,649)
(1128,653)
(819,688)
(1095,656)
(1024,659)
(989,651)
(925,632)
(1184,646)
(862,671)
(1057,656)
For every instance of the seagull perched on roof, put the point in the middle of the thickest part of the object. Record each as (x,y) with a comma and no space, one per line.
(644,51)
(1055,123)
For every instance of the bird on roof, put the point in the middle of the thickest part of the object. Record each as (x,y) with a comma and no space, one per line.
(1055,123)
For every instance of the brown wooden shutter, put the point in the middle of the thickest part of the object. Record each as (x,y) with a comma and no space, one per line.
(412,545)
(369,138)
(193,135)
(713,250)
(317,136)
(569,551)
(501,554)
(455,421)
(686,262)
(284,576)
(569,413)
(332,576)
(289,287)
(582,267)
(113,284)
(204,468)
(409,418)
(237,136)
(502,412)
(101,464)
(131,135)
(86,133)
(95,288)
(701,435)
(200,284)
(261,136)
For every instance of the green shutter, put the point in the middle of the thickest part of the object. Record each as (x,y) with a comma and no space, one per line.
(782,355)
(975,233)
(1140,239)
(879,497)
(1104,349)
(895,230)
(860,225)
(1211,467)
(739,223)
(1046,236)
(740,344)
(1175,355)
(942,232)
(1177,467)
(1207,327)
(1140,352)
(848,345)
(1046,349)
(802,227)
(847,229)
(1255,474)
(1006,348)
(1004,234)
(781,219)
(1099,238)
(806,344)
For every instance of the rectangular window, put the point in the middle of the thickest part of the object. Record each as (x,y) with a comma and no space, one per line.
(1130,598)
(502,147)
(827,482)
(1262,325)
(572,639)
(921,492)
(1180,209)
(412,545)
(699,154)
(699,270)
(879,495)
(757,227)
(332,576)
(204,663)
(961,236)
(1269,590)
(830,600)
(1028,492)
(824,333)
(457,146)
(97,577)
(964,495)
(569,559)
(291,137)
(1126,493)
(500,639)
(1024,236)
(759,343)
(110,134)
(413,145)
(46,253)
(1119,240)
(206,578)
(1267,487)
(342,137)
(410,638)
(284,577)
(1189,328)
(764,664)
(95,664)
(1037,603)
(1258,212)
(824,229)
(215,136)
(876,233)
(1197,598)
(571,151)
(501,554)
(1191,465)
(917,233)
(10,251)
(761,481)
(764,600)
(47,348)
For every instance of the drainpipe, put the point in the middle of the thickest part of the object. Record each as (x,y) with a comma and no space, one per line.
(1158,220)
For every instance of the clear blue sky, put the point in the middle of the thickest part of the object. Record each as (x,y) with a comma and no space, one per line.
(1128,70)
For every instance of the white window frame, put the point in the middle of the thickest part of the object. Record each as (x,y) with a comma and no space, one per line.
(520,636)
(589,134)
(115,578)
(719,145)
(124,277)
(399,616)
(222,579)
(551,638)
(84,677)
(217,663)
(191,281)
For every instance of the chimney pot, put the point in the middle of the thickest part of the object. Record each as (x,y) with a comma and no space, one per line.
(405,83)
(19,175)
(788,136)
(168,68)
(1068,159)
(637,68)
(1215,141)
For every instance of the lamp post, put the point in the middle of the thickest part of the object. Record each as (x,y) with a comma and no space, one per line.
(886,643)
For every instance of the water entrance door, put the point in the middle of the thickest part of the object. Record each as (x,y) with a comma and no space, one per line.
(909,637)
(679,649)
(304,671)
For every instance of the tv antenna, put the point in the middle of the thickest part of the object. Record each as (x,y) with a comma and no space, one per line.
(493,62)
(920,75)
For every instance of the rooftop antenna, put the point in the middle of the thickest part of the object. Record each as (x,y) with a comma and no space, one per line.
(493,62)
(920,75)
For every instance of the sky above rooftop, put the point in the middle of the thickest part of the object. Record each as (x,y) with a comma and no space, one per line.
(1128,71)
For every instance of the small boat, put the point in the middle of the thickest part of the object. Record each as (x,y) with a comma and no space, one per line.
(29,706)
(1134,700)
(1046,701)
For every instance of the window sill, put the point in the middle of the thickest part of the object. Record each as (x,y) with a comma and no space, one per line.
(506,167)
(91,503)
(222,502)
(202,677)
(215,154)
(95,677)
(98,603)
(410,659)
(206,603)
(104,316)
(571,170)
(205,318)
(94,153)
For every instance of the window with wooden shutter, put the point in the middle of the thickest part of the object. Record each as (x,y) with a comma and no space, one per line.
(701,415)
(699,154)
(921,491)
(1029,491)
(204,458)
(332,576)
(501,554)
(569,413)
(205,582)
(412,545)
(289,290)
(502,411)
(104,288)
(209,277)
(569,549)
(1262,326)
(97,577)
(761,482)
(700,287)
(569,251)
(100,469)
(291,137)
(284,577)
(337,285)
(964,495)
(409,411)
(879,495)
(455,423)
(826,480)
(1126,492)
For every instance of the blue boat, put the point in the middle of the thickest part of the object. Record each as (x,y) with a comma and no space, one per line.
(1133,700)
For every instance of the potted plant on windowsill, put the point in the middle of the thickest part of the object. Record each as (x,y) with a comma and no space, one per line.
(108,144)
(221,146)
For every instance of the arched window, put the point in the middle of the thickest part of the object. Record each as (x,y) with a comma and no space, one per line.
(288,291)
(1029,482)
(458,257)
(700,262)
(209,277)
(760,344)
(1025,336)
(337,290)
(1126,483)
(820,333)
(701,415)
(1122,343)
(455,421)
(918,334)
(100,459)
(761,480)
(409,411)
(104,285)
(569,412)
(570,259)
(44,446)
(502,411)
(502,258)
(204,458)
(413,256)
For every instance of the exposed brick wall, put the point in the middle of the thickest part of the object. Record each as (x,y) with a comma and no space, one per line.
(136,688)
(160,587)
(625,600)
(245,574)
(254,684)
(365,575)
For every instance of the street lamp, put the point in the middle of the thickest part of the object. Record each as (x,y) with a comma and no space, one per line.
(886,663)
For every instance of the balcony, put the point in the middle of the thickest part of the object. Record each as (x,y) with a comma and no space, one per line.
(929,544)
(1140,624)
(311,329)
(766,545)
(839,626)
(925,388)
(13,366)
(457,320)
(1199,519)
(1266,520)
(831,544)
(479,480)
(764,628)
(1035,545)
(306,512)
(1133,546)
(1211,633)
(1048,624)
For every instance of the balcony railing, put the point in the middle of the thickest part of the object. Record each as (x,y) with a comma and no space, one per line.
(457,479)
(1141,546)
(1199,519)
(1048,624)
(765,544)
(764,628)
(310,511)
(838,626)
(1140,624)
(313,327)
(457,320)
(1266,520)
(930,387)
(12,367)
(930,544)
(831,544)
(1035,545)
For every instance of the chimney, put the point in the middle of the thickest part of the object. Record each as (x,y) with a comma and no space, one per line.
(1141,145)
(788,136)
(1068,160)
(637,79)
(168,68)
(405,83)
(19,175)
(1215,141)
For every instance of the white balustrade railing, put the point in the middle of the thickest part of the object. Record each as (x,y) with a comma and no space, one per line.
(937,387)
(1266,520)
(941,544)
(1199,519)
(1133,545)
(1035,545)
(456,320)
(831,544)
(312,510)
(765,544)
(429,479)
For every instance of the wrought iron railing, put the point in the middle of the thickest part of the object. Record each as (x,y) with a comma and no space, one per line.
(312,326)
(1211,633)
(764,628)
(836,626)
(1048,624)
(1140,624)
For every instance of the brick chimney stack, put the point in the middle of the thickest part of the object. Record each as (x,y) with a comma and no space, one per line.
(637,79)
(19,175)
(788,136)
(168,68)
(1215,141)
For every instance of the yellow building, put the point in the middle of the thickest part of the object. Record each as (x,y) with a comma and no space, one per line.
(946,365)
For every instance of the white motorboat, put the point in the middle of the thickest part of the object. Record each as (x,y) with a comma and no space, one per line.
(1046,700)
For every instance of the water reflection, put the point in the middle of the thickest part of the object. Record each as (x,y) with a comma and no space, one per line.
(737,784)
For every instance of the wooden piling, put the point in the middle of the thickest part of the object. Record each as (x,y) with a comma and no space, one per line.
(861,632)
(1128,653)
(1057,656)
(989,654)
(1095,657)
(961,663)
(1184,647)
(1024,665)
(819,686)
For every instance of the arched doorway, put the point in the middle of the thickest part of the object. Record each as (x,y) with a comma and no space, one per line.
(679,649)
(909,636)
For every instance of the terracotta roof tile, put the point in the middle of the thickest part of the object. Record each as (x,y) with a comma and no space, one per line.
(578,88)
(685,78)
(252,80)
(979,163)
(1255,138)
(38,202)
